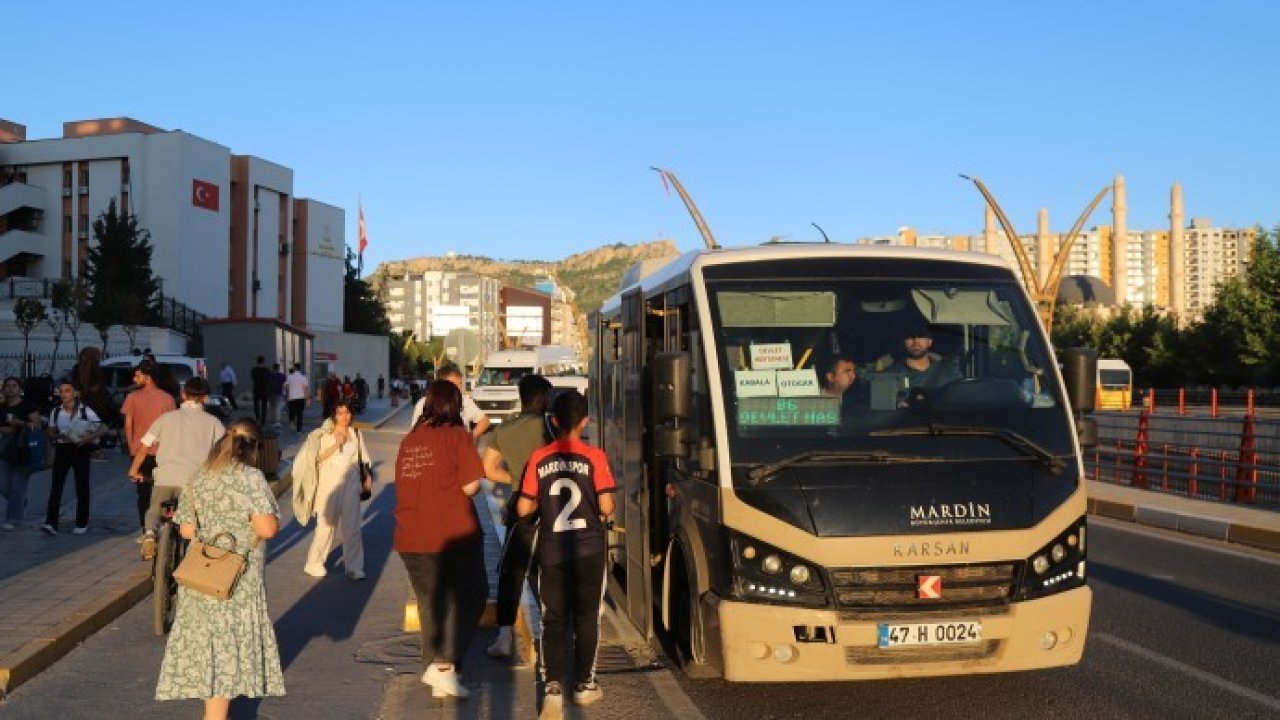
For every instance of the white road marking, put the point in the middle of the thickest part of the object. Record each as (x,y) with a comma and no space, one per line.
(1219,546)
(1194,672)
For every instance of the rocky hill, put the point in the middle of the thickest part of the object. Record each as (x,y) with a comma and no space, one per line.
(593,275)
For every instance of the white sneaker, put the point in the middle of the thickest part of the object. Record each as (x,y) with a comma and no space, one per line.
(503,645)
(587,693)
(79,530)
(357,575)
(444,682)
(315,571)
(552,703)
(48,529)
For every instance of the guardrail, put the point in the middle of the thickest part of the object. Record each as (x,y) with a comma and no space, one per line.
(1221,459)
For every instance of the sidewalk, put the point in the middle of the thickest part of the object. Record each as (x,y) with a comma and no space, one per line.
(56,591)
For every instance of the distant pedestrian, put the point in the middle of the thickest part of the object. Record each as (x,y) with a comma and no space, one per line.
(382,385)
(141,409)
(227,377)
(221,649)
(275,407)
(504,462)
(297,394)
(16,415)
(335,449)
(332,391)
(438,535)
(569,485)
(184,436)
(473,418)
(362,391)
(74,429)
(260,380)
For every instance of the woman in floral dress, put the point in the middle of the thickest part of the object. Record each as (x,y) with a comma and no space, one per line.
(220,649)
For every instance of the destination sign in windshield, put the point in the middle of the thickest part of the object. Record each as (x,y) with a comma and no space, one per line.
(788,411)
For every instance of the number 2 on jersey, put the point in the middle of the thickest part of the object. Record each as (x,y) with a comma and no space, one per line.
(563,522)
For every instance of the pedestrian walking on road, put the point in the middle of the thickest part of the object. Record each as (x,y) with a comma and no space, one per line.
(569,485)
(74,429)
(141,408)
(260,380)
(185,437)
(297,393)
(382,385)
(504,462)
(228,379)
(276,405)
(221,649)
(336,449)
(16,415)
(438,535)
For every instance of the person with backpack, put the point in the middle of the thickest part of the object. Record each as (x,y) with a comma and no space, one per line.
(74,429)
(569,485)
(19,419)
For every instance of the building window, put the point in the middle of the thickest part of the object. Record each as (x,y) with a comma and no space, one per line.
(84,177)
(66,178)
(66,224)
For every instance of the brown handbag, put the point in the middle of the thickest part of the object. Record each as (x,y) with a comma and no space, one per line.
(210,568)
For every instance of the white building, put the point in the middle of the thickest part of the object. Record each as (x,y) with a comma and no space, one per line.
(434,303)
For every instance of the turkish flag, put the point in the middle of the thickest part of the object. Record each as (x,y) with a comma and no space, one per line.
(363,238)
(204,195)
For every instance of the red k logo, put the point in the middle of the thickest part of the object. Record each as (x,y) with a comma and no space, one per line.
(929,587)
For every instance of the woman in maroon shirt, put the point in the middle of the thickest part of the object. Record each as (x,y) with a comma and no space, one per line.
(438,534)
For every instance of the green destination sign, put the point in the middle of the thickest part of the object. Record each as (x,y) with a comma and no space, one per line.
(789,412)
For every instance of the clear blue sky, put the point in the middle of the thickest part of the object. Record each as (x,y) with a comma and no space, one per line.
(525,130)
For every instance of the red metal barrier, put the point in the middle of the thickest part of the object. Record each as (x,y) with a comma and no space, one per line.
(1213,402)
(1247,463)
(1182,401)
(1139,477)
(1193,472)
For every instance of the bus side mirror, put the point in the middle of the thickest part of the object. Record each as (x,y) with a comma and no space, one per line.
(1080,374)
(672,372)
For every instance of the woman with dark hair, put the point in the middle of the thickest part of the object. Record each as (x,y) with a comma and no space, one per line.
(335,499)
(438,534)
(16,413)
(220,649)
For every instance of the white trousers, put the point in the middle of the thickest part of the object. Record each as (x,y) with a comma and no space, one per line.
(337,520)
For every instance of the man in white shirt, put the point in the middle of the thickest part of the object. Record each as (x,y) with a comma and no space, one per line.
(298,394)
(228,379)
(186,436)
(476,421)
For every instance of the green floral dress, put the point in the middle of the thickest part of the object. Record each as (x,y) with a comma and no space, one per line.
(224,648)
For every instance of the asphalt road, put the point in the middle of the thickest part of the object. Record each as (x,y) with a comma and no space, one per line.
(1182,628)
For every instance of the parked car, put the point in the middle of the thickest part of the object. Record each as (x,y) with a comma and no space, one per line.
(119,379)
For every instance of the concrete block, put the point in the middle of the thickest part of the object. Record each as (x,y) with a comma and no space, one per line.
(1166,519)
(1254,536)
(1204,526)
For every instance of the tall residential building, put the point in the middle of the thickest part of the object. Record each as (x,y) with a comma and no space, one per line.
(567,322)
(433,303)
(1212,255)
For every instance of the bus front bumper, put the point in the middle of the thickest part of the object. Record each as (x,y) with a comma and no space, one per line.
(773,643)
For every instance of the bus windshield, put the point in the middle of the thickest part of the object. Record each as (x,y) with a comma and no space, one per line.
(860,366)
(502,375)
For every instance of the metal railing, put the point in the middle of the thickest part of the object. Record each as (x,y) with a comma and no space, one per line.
(171,314)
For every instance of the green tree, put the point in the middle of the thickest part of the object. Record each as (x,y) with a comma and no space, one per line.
(361,310)
(122,290)
(27,313)
(1072,327)
(61,300)
(1235,344)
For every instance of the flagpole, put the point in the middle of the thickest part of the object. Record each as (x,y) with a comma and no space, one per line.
(360,238)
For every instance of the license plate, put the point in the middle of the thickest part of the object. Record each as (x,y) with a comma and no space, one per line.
(939,633)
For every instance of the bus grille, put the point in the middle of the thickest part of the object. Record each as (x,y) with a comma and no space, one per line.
(896,590)
(855,655)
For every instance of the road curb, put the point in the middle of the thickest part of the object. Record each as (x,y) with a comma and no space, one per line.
(1187,523)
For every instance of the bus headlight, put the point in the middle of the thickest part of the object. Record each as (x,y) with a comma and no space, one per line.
(766,574)
(1056,567)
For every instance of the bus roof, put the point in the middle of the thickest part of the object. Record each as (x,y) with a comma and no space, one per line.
(682,265)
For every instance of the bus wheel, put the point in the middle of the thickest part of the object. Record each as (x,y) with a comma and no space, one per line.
(686,630)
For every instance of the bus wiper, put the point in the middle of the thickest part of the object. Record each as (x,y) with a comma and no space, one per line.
(1019,442)
(761,472)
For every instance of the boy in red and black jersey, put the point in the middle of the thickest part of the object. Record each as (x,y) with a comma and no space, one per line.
(569,485)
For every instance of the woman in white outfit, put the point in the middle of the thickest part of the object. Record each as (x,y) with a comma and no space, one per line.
(337,495)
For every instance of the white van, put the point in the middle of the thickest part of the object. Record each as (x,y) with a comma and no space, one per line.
(495,390)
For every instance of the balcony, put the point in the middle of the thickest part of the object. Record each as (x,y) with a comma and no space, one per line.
(15,196)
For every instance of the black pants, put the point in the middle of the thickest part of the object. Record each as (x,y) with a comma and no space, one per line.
(68,456)
(515,565)
(572,589)
(229,391)
(295,412)
(451,588)
(144,488)
(260,408)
